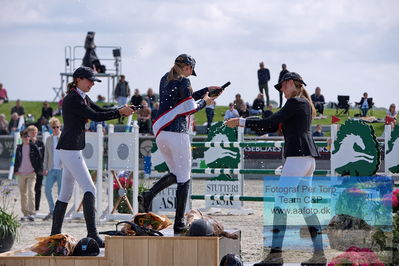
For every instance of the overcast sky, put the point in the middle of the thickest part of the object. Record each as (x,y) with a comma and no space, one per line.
(345,47)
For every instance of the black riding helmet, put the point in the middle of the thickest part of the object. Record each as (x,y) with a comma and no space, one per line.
(231,260)
(201,228)
(188,60)
(289,76)
(86,247)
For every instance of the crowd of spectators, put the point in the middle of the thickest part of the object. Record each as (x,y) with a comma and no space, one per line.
(149,105)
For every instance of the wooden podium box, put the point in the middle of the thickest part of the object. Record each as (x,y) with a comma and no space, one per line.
(140,251)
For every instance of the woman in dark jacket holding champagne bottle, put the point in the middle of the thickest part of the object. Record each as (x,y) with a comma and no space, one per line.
(300,152)
(171,127)
(77,108)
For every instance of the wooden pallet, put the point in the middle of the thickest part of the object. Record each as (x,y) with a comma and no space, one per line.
(141,251)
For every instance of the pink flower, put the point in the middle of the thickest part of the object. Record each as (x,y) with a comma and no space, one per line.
(357,256)
(125,183)
(395,200)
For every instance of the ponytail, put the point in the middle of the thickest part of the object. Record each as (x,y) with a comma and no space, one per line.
(176,71)
(302,92)
(71,85)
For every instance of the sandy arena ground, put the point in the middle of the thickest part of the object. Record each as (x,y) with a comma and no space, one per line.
(250,225)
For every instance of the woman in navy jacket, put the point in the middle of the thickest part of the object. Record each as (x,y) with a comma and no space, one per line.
(77,108)
(171,128)
(300,152)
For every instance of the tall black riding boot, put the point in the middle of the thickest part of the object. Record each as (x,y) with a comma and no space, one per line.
(181,200)
(146,197)
(279,226)
(58,217)
(38,191)
(90,217)
(315,231)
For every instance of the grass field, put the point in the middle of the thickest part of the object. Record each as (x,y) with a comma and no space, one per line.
(35,108)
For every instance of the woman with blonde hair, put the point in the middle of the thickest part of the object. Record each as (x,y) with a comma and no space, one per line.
(171,129)
(52,168)
(300,152)
(33,132)
(391,115)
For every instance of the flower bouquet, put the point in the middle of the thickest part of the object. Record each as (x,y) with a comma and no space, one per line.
(56,245)
(124,186)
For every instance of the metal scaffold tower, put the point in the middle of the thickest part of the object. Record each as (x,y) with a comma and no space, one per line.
(74,58)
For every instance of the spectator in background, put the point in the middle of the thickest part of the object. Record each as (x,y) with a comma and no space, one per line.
(59,105)
(42,125)
(18,108)
(122,91)
(52,165)
(239,103)
(245,111)
(318,131)
(93,126)
(263,79)
(32,132)
(210,113)
(268,112)
(13,124)
(280,77)
(47,111)
(136,99)
(29,119)
(258,105)
(144,118)
(100,98)
(150,97)
(28,163)
(122,94)
(154,111)
(365,104)
(3,125)
(391,115)
(3,94)
(318,101)
(231,112)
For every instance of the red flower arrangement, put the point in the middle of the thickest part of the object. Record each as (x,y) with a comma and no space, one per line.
(125,182)
(356,257)
(395,200)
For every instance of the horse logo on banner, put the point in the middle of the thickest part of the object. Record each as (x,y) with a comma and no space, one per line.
(392,153)
(356,150)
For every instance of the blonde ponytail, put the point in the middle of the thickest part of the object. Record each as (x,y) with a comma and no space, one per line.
(302,92)
(176,72)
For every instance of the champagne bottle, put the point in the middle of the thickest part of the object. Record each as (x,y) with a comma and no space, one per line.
(217,92)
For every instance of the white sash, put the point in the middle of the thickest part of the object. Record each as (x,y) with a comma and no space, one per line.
(185,107)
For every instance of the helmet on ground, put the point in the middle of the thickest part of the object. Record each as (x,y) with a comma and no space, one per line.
(86,247)
(231,260)
(200,227)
